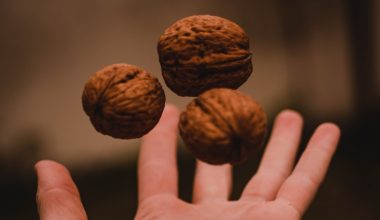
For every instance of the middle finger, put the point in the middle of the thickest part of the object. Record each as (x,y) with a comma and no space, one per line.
(211,182)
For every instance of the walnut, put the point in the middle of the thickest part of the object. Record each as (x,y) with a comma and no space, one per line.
(223,126)
(123,101)
(201,52)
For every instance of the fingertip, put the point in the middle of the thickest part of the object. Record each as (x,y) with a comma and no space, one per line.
(49,171)
(329,128)
(43,163)
(170,115)
(170,107)
(48,164)
(51,174)
(289,118)
(170,110)
(290,114)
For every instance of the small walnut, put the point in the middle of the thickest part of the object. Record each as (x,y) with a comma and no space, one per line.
(223,126)
(123,101)
(201,52)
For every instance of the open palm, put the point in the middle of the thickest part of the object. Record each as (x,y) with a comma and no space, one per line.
(279,190)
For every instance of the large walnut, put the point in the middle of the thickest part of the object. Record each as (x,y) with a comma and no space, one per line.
(123,101)
(201,52)
(223,126)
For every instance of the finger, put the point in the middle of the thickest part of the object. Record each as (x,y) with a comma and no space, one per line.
(278,158)
(157,168)
(300,187)
(211,182)
(57,196)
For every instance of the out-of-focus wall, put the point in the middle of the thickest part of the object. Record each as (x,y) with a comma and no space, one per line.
(50,48)
(317,56)
(376,28)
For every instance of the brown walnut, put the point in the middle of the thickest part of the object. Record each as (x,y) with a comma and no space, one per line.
(223,126)
(123,101)
(201,52)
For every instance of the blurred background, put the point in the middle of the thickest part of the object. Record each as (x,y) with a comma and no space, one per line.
(320,58)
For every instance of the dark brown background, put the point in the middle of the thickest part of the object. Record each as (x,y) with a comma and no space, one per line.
(318,57)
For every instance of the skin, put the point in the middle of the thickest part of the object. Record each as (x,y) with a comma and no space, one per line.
(281,188)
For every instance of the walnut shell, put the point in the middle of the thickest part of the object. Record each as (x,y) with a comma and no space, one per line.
(123,101)
(201,52)
(223,126)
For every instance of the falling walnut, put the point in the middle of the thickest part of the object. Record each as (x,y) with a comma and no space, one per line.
(223,126)
(201,52)
(123,101)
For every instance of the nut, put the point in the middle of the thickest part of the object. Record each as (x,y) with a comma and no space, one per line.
(223,126)
(201,52)
(123,101)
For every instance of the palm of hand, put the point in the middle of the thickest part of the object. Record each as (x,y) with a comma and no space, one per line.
(279,190)
(169,207)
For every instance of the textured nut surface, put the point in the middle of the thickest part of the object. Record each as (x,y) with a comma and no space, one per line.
(223,126)
(201,52)
(123,101)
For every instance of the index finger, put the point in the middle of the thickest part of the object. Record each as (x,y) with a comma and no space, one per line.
(157,166)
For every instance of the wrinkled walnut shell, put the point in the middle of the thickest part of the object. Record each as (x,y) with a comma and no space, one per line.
(123,101)
(223,126)
(201,52)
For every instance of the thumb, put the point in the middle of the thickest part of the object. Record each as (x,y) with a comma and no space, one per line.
(57,196)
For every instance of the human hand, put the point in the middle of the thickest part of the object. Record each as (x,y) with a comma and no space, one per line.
(279,190)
